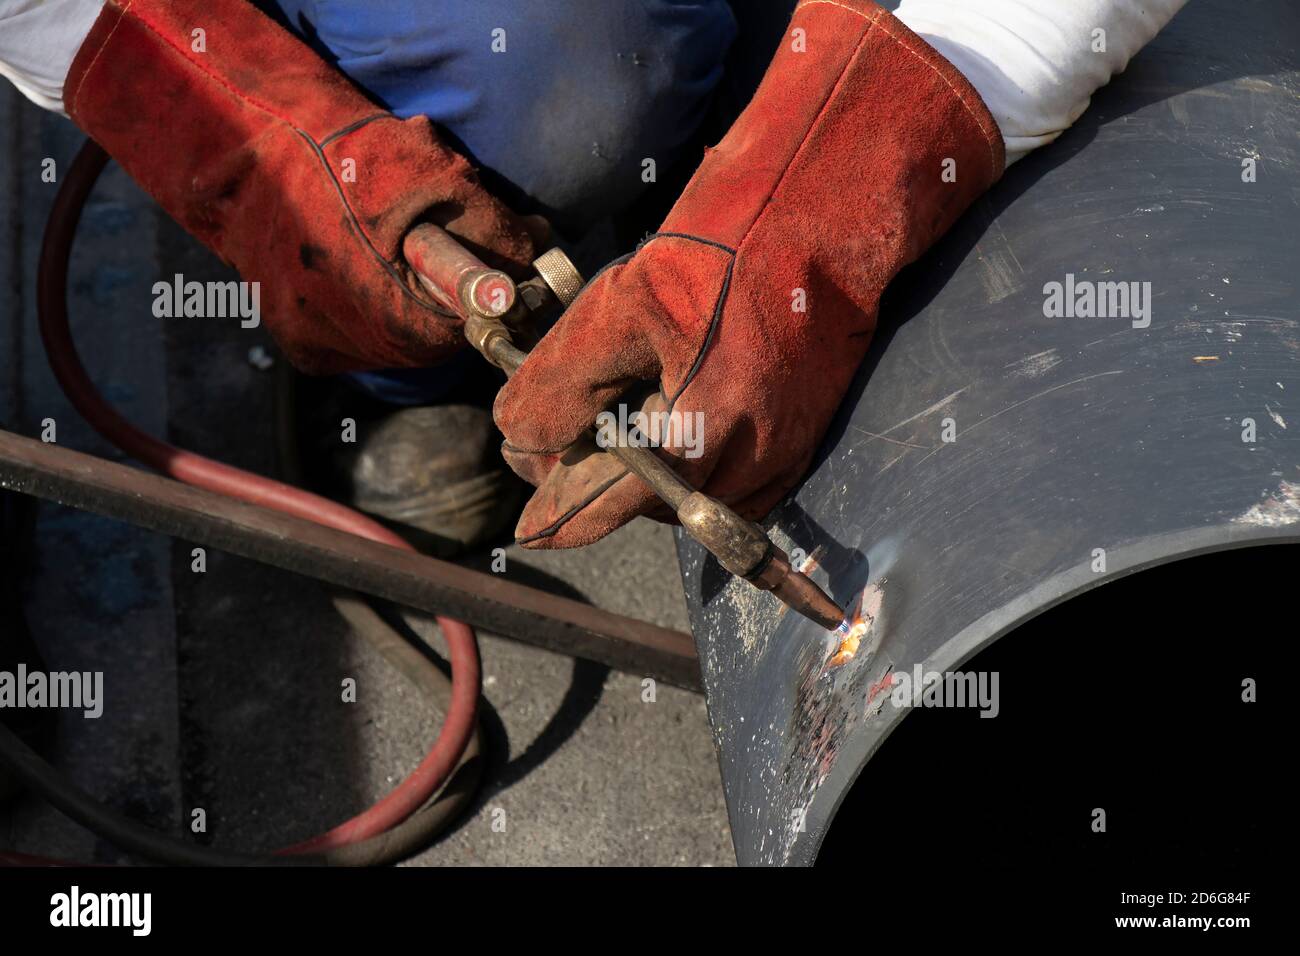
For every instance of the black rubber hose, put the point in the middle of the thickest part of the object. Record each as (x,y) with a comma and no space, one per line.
(41,778)
(413,834)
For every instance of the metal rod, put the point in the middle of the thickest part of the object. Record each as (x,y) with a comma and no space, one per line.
(488,601)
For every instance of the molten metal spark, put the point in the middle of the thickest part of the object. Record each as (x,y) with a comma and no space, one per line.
(856,626)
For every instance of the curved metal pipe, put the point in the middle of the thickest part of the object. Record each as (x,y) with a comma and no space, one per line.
(996,457)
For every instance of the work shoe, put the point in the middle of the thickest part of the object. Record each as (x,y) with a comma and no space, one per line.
(433,473)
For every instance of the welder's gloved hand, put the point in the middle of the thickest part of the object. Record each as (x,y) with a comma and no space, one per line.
(273,160)
(756,301)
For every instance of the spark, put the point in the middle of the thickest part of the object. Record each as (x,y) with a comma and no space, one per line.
(855,627)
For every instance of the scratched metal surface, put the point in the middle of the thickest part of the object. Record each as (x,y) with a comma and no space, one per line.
(1071,433)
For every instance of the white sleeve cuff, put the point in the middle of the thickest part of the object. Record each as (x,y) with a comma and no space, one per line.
(1036,63)
(39,40)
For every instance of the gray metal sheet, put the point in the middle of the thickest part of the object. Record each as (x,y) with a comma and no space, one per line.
(1071,434)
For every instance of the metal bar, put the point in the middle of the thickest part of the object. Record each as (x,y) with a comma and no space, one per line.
(427,584)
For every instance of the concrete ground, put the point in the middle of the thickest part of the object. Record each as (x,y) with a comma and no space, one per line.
(223,687)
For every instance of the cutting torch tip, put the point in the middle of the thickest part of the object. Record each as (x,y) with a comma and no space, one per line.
(801,594)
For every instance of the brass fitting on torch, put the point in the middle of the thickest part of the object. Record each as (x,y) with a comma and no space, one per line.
(742,548)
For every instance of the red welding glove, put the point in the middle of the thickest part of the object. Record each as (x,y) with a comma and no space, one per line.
(756,301)
(275,162)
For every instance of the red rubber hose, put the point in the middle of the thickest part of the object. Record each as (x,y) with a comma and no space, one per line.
(52,308)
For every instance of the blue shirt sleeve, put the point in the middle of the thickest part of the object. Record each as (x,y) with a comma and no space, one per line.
(564,100)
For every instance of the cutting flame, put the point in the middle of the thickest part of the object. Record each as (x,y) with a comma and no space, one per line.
(852,629)
(855,627)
